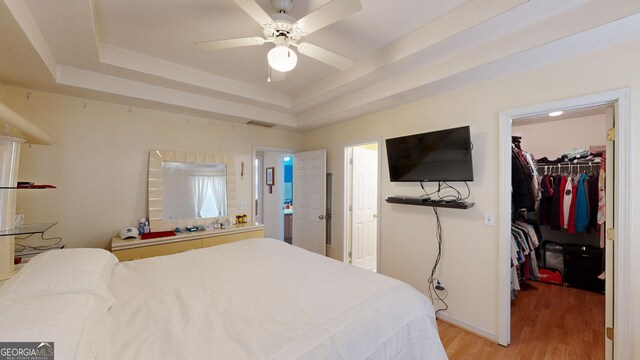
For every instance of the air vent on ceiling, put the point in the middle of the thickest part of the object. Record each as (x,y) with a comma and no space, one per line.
(260,123)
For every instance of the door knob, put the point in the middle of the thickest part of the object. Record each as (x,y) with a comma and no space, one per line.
(375,215)
(321,217)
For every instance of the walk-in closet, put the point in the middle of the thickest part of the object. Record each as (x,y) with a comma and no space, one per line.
(558,277)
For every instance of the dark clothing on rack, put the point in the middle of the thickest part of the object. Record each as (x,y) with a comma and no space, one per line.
(516,141)
(521,182)
(536,227)
(546,201)
(555,214)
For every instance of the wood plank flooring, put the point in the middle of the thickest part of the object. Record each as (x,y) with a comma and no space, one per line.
(547,322)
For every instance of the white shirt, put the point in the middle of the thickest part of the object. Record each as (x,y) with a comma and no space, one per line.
(568,194)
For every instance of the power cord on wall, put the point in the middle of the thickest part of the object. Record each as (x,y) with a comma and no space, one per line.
(446,193)
(435,287)
(21,247)
(453,195)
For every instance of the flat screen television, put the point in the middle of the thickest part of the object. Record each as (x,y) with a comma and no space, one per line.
(443,155)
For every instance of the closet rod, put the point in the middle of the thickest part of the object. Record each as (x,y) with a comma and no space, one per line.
(570,167)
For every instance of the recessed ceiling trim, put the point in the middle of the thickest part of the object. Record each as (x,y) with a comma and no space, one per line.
(115,85)
(455,22)
(25,19)
(95,26)
(134,61)
(586,17)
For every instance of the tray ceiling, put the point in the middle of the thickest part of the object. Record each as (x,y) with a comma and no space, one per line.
(141,52)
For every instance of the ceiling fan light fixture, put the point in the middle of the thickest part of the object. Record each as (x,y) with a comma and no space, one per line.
(282,58)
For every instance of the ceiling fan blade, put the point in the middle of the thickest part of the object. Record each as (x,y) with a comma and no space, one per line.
(256,12)
(327,14)
(229,43)
(324,55)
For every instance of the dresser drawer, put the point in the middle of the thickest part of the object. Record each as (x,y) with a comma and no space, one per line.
(157,250)
(224,239)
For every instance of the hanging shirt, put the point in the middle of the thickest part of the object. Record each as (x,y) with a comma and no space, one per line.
(571,227)
(601,191)
(554,218)
(522,194)
(593,202)
(561,197)
(600,218)
(536,179)
(582,206)
(546,201)
(566,205)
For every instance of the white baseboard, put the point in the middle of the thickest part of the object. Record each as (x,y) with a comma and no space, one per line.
(467,326)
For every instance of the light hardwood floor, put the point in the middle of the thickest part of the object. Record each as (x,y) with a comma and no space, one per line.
(547,322)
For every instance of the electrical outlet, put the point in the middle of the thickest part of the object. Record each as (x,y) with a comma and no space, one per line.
(489,219)
(242,205)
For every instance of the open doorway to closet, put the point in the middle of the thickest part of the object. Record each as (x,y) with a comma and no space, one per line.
(361,200)
(273,192)
(573,342)
(558,228)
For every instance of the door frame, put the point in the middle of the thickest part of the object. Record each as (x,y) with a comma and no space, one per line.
(345,207)
(254,149)
(624,249)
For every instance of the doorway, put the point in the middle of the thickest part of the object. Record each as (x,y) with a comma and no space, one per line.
(273,191)
(362,204)
(565,218)
(618,186)
(287,198)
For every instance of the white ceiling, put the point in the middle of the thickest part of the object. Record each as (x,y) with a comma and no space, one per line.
(141,52)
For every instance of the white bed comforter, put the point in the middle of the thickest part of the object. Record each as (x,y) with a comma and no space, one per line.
(264,299)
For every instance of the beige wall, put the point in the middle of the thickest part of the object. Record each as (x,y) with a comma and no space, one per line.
(470,261)
(554,138)
(100,155)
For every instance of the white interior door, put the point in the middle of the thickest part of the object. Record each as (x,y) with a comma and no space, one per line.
(258,188)
(364,208)
(609,250)
(309,177)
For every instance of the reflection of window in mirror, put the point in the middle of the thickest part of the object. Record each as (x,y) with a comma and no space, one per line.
(192,190)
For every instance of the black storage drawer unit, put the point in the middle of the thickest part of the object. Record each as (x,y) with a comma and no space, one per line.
(583,265)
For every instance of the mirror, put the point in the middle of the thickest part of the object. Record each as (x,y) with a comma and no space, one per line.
(193,190)
(187,189)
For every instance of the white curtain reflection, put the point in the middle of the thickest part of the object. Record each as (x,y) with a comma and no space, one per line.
(193,190)
(210,195)
(201,185)
(219,192)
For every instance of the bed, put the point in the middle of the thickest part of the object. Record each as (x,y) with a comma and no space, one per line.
(253,299)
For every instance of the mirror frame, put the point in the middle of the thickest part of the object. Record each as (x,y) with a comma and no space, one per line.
(155,192)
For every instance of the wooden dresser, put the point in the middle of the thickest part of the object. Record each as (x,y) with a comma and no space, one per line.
(138,249)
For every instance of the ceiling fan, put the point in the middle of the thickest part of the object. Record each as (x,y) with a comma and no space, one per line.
(284,31)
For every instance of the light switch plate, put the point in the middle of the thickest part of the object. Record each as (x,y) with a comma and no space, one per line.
(489,219)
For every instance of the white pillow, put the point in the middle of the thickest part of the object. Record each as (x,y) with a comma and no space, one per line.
(67,271)
(76,324)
